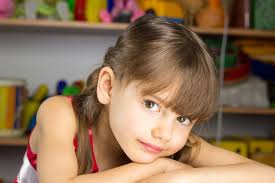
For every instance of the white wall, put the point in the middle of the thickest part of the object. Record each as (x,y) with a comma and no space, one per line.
(45,57)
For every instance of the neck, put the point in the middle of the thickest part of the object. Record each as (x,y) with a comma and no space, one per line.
(107,151)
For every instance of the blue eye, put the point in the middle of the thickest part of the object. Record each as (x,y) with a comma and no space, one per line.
(183,120)
(151,105)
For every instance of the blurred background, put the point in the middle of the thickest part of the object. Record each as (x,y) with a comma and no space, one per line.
(48,47)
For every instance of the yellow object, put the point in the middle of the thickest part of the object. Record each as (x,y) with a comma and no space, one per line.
(11,107)
(11,101)
(3,106)
(167,8)
(266,158)
(93,8)
(29,109)
(239,147)
(41,93)
(264,146)
(212,15)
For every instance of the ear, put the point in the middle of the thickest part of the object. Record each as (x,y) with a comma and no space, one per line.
(105,84)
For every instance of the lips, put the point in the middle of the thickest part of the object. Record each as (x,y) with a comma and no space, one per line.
(151,148)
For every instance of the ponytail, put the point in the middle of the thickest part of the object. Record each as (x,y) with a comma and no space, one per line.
(87,109)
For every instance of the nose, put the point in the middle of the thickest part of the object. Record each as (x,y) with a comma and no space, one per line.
(164,130)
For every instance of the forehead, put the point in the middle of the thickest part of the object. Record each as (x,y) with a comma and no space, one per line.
(163,94)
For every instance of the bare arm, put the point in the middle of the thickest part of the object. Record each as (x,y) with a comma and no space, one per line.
(214,164)
(129,173)
(57,163)
(238,173)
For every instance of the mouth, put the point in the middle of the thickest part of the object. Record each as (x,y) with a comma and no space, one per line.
(150,147)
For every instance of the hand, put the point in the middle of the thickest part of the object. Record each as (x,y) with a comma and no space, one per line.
(171,165)
(175,176)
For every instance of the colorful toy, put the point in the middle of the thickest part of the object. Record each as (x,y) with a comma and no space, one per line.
(79,84)
(191,8)
(42,9)
(31,106)
(71,90)
(53,9)
(212,15)
(12,97)
(170,9)
(79,10)
(41,93)
(6,8)
(93,9)
(236,146)
(123,11)
(60,86)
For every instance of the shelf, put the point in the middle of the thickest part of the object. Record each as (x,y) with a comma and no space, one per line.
(60,25)
(236,32)
(84,26)
(248,110)
(13,141)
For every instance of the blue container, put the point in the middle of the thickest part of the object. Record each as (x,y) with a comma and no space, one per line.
(264,70)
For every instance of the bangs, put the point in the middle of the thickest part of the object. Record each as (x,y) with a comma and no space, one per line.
(174,61)
(191,89)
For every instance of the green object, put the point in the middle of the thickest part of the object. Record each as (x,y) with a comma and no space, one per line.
(273,104)
(231,56)
(71,4)
(46,11)
(70,90)
(229,62)
(263,14)
(19,11)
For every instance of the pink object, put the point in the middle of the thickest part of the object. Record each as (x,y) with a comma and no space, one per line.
(119,6)
(105,16)
(6,8)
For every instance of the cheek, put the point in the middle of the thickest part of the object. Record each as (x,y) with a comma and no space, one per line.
(125,116)
(179,140)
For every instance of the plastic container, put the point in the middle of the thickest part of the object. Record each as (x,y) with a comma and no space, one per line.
(166,8)
(236,146)
(93,8)
(264,14)
(12,97)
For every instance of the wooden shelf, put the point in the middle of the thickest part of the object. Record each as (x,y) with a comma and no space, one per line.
(248,110)
(81,26)
(13,141)
(60,25)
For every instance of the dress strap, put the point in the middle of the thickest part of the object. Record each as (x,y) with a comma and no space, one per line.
(94,165)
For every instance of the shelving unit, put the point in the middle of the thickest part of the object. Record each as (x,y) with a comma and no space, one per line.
(13,141)
(248,110)
(67,26)
(45,25)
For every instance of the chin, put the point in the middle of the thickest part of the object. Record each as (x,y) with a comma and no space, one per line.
(142,158)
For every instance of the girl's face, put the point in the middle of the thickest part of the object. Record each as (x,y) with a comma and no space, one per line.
(143,127)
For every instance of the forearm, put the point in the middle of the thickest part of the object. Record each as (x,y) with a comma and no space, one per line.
(129,173)
(251,172)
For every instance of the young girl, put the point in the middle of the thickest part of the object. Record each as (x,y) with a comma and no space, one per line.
(133,121)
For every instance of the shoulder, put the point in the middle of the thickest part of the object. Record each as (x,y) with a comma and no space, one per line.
(55,119)
(56,113)
(55,131)
(204,154)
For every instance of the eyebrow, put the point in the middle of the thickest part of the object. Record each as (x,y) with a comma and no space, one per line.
(162,101)
(157,98)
